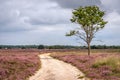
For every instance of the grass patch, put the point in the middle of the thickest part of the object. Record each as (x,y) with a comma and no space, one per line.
(113,62)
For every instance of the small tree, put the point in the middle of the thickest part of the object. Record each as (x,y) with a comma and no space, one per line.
(90,19)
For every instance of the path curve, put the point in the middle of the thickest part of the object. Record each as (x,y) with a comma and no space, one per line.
(52,69)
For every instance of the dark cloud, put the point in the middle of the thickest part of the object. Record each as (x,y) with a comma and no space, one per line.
(107,5)
(76,3)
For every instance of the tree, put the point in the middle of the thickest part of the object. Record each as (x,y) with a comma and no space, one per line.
(90,19)
(0,47)
(41,47)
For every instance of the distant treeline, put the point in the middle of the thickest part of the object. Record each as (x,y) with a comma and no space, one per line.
(56,47)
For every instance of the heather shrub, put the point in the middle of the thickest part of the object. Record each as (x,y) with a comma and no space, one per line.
(95,67)
(18,65)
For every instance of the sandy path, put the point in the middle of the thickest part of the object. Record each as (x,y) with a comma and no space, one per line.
(52,69)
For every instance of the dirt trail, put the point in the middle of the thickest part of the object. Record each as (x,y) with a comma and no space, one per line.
(52,69)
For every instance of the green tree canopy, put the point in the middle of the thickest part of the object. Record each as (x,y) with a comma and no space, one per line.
(90,19)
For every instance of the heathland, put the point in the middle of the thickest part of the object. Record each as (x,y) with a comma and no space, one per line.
(20,64)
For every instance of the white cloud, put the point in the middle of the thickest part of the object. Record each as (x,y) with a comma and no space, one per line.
(111,5)
(113,18)
(21,15)
(47,21)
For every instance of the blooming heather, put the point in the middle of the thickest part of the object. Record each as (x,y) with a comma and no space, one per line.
(85,63)
(18,65)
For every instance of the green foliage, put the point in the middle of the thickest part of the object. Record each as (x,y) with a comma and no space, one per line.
(62,47)
(72,32)
(0,47)
(89,16)
(90,19)
(59,47)
(41,47)
(38,47)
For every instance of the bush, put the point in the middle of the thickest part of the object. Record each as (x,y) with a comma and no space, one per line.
(41,47)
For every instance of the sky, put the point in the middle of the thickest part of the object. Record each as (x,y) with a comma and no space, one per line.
(33,22)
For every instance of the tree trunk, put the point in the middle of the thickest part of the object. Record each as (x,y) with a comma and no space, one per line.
(89,48)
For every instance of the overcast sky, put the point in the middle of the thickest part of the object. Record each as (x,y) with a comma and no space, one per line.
(27,22)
